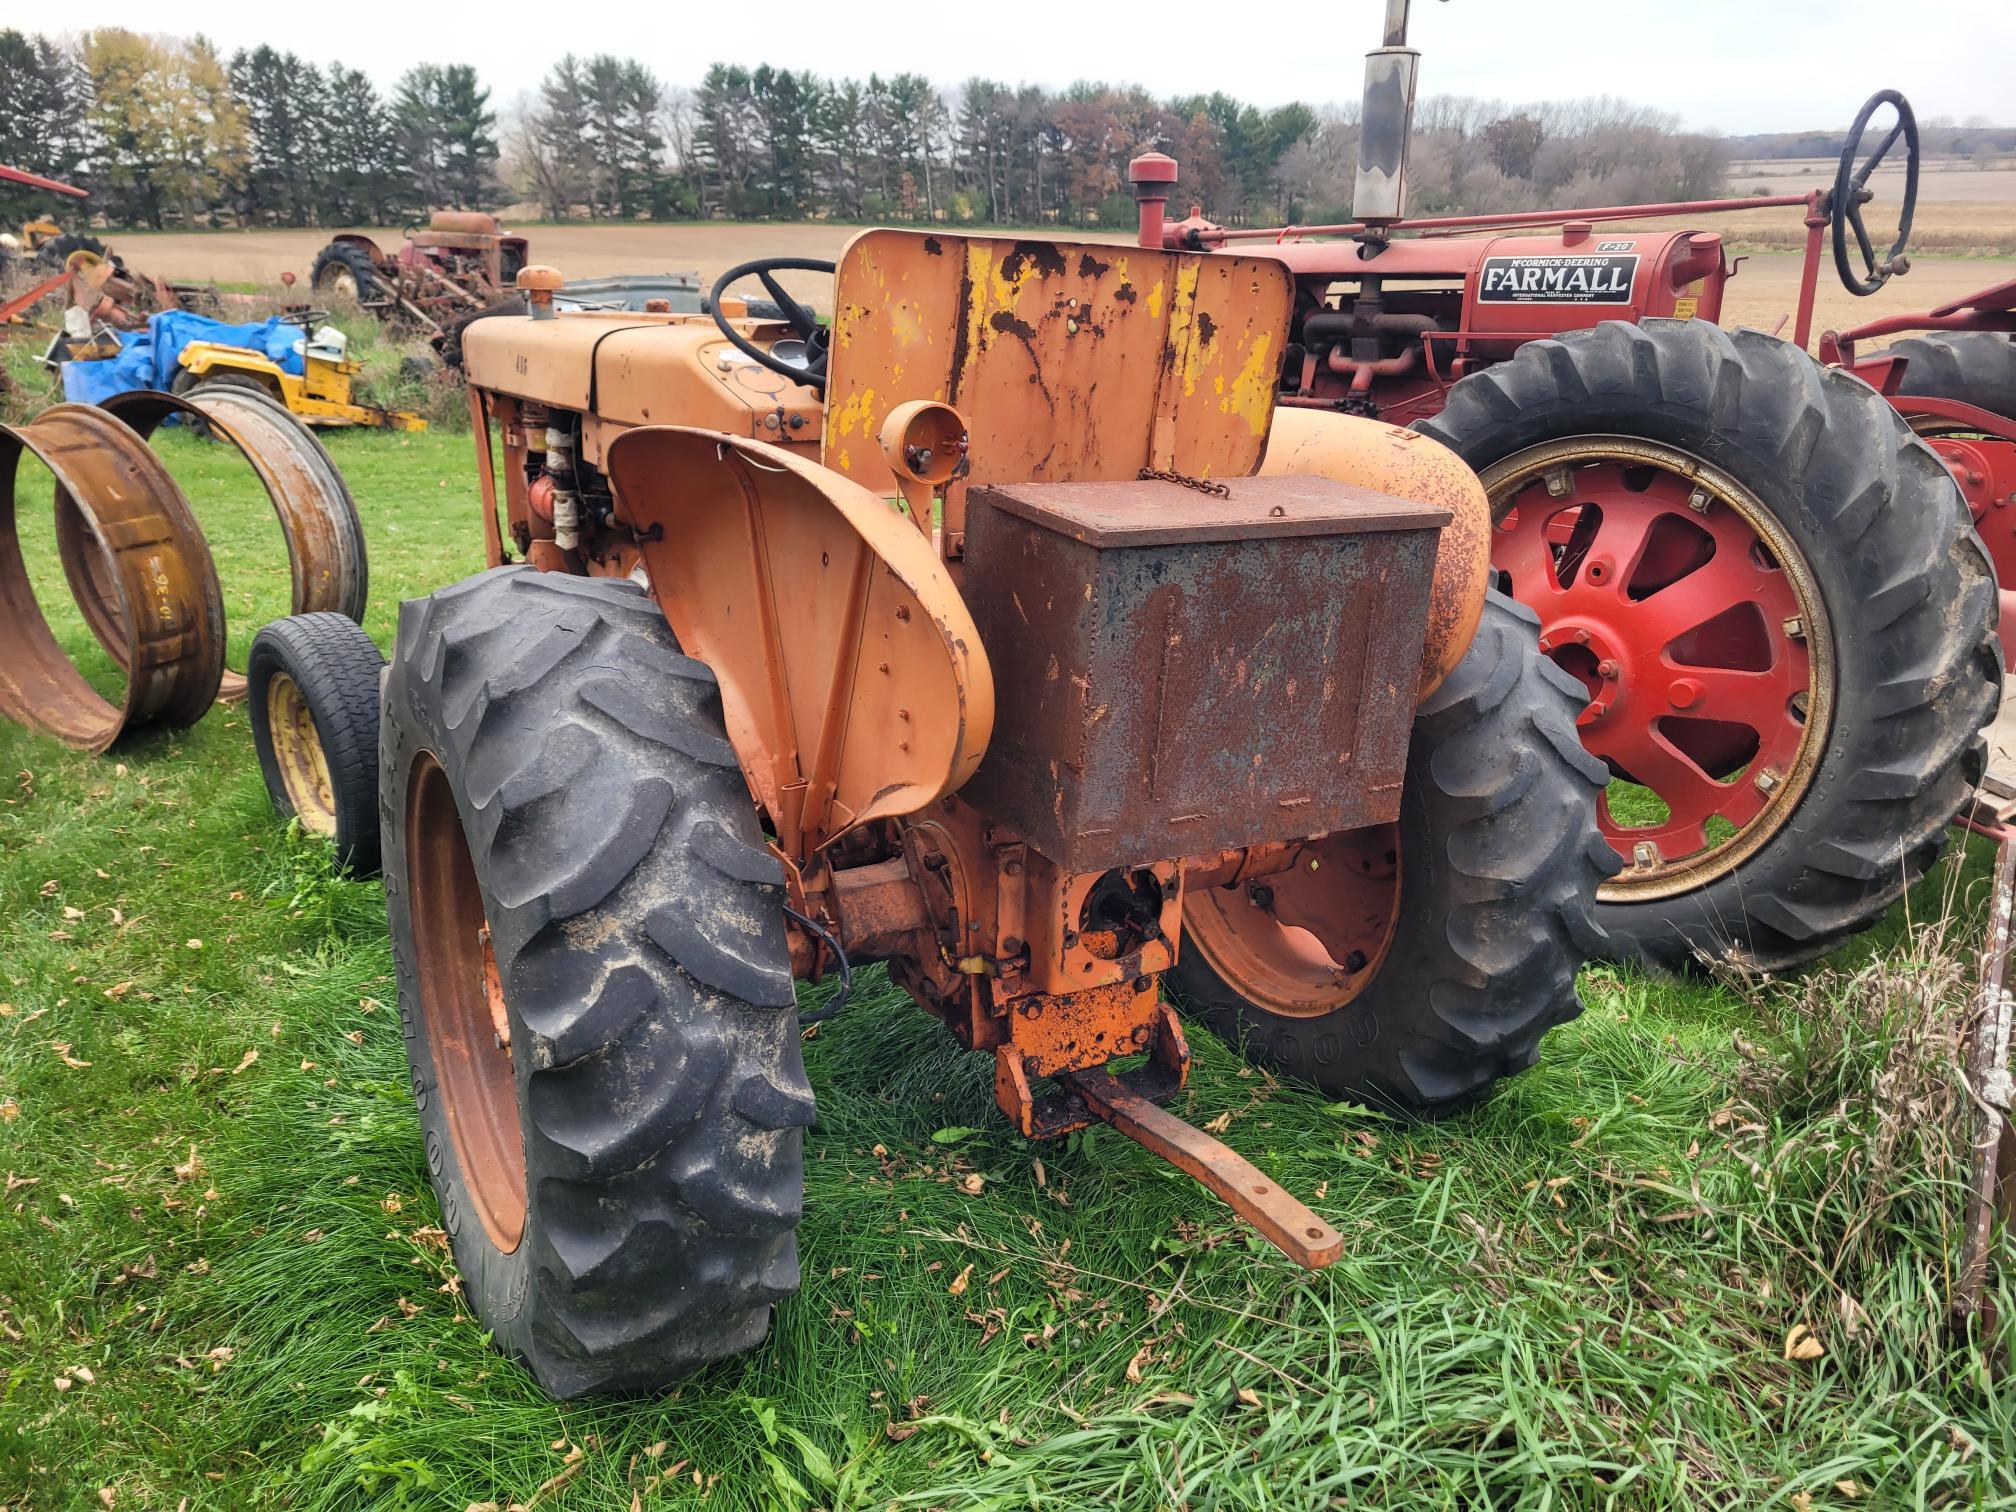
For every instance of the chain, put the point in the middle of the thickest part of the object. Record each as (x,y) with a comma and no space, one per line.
(1170,475)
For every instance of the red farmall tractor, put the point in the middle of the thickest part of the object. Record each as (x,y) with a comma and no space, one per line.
(1006,632)
(1756,565)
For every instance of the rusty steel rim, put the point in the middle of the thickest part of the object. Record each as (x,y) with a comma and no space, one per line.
(140,552)
(462,1004)
(1307,940)
(297,752)
(1695,626)
(318,517)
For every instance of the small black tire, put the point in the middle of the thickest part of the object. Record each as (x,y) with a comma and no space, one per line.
(329,673)
(338,259)
(55,253)
(186,382)
(1907,585)
(1500,859)
(450,344)
(1972,367)
(638,931)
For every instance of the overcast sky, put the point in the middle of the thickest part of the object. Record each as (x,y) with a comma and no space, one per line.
(1723,65)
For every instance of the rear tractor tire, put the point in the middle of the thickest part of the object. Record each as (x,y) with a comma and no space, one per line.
(1781,618)
(312,693)
(1974,367)
(594,979)
(347,269)
(1411,966)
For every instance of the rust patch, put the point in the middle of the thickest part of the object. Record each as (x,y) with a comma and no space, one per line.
(1042,257)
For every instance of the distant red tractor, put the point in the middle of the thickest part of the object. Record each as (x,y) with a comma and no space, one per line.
(461,263)
(1753,561)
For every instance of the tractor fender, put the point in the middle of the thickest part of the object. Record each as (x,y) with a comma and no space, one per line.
(853,681)
(352,239)
(1371,454)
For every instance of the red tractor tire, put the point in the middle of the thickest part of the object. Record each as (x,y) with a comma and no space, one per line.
(1774,597)
(1974,367)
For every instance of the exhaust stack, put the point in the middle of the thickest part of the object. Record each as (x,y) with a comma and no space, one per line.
(1386,122)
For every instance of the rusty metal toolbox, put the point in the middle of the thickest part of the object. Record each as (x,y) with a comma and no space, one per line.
(1177,671)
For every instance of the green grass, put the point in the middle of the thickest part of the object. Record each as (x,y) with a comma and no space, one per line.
(1579,1296)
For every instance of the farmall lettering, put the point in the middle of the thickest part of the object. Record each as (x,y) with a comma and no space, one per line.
(1600,278)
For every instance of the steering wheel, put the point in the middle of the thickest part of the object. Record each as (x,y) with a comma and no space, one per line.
(811,337)
(1851,193)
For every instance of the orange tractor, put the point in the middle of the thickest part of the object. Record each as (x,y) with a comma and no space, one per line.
(1004,632)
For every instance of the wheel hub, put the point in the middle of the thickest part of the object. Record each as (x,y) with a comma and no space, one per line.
(1675,599)
(1305,939)
(297,750)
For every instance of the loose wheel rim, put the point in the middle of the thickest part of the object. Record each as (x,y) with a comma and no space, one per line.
(1696,627)
(462,1004)
(297,752)
(1304,941)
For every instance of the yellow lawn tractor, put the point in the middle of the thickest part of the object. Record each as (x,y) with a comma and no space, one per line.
(321,395)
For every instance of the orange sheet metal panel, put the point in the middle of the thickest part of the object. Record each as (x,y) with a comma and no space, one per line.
(1069,360)
(852,679)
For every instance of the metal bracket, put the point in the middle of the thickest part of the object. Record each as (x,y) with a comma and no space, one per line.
(1129,1101)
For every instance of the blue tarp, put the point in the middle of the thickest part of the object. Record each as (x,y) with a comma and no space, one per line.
(149,359)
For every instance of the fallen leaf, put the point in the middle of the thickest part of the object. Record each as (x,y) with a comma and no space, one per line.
(9,1110)
(1803,1344)
(958,1286)
(1141,1357)
(195,944)
(971,1183)
(190,1169)
(250,1056)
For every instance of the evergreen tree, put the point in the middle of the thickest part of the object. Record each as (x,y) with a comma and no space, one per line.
(365,177)
(447,133)
(286,119)
(42,129)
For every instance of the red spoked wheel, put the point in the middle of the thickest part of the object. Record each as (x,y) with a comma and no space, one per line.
(1674,597)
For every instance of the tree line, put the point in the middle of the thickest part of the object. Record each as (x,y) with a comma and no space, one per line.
(170,132)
